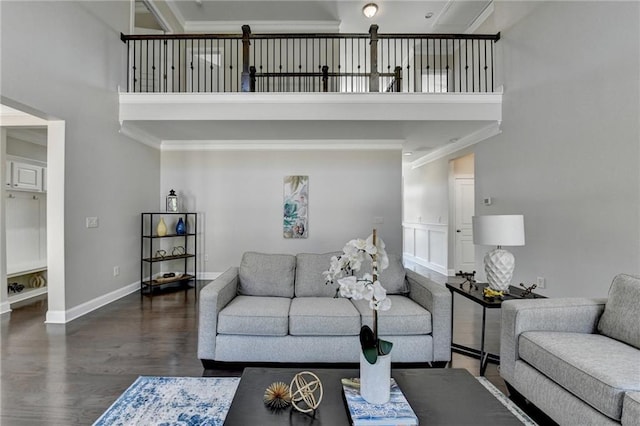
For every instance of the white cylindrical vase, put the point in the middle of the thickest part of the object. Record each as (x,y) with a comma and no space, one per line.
(375,379)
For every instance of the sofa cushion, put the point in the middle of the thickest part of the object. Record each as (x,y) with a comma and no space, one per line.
(595,368)
(323,316)
(393,279)
(309,279)
(255,316)
(622,310)
(264,274)
(404,318)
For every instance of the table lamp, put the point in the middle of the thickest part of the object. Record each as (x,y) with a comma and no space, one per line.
(498,230)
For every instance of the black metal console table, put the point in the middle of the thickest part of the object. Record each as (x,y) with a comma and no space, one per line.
(473,292)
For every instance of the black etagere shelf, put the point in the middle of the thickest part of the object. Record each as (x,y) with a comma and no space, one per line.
(155,249)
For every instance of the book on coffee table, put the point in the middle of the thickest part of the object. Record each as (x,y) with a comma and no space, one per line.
(396,412)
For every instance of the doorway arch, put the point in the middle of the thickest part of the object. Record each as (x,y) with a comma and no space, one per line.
(15,114)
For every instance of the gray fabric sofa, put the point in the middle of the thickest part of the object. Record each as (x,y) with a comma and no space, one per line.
(276,308)
(578,360)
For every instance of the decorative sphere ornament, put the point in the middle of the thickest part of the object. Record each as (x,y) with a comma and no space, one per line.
(306,391)
(277,396)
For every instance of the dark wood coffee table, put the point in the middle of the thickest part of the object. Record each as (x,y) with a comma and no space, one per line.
(439,396)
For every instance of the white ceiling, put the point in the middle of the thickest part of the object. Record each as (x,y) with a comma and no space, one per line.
(420,137)
(394,16)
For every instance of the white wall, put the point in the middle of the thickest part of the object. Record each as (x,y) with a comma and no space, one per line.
(23,149)
(427,199)
(568,154)
(241,194)
(66,59)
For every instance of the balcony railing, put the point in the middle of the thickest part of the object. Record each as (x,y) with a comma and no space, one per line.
(373,62)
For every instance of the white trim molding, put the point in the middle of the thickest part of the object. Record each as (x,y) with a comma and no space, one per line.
(63,317)
(5,308)
(293,145)
(258,27)
(484,133)
(426,244)
(139,135)
(239,106)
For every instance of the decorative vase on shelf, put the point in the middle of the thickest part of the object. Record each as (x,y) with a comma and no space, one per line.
(181,229)
(162,228)
(375,379)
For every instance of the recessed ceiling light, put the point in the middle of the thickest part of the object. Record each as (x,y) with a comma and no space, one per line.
(429,15)
(408,154)
(370,10)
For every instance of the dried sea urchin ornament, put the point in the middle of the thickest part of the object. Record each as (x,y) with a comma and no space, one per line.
(277,396)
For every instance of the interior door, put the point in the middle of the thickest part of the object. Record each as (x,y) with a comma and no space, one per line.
(464,205)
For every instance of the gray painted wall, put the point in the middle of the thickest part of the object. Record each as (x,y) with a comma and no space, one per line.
(242,193)
(568,154)
(66,59)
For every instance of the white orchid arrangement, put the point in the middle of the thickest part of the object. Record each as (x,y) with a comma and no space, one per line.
(368,287)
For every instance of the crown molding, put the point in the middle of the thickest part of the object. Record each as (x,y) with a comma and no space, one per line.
(268,145)
(480,19)
(140,136)
(176,13)
(257,27)
(471,139)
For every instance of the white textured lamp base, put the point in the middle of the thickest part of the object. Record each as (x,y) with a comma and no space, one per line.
(498,266)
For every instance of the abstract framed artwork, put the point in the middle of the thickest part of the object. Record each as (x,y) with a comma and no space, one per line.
(296,204)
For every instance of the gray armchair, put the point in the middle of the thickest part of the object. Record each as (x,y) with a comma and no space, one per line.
(576,359)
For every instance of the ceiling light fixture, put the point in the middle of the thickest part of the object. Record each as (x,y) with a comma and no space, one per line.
(370,10)
(429,15)
(408,154)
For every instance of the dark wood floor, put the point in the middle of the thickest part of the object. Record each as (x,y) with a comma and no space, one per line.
(70,374)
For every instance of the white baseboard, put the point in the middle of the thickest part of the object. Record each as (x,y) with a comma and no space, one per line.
(63,317)
(423,262)
(5,308)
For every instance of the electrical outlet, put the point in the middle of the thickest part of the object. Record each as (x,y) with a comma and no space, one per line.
(116,271)
(91,222)
(542,283)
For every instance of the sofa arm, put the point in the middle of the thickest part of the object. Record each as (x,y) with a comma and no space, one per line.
(577,315)
(213,297)
(436,299)
(631,409)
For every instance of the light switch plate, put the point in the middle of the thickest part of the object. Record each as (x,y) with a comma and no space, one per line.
(92,222)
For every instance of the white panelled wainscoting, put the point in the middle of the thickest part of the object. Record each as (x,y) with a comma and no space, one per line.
(426,245)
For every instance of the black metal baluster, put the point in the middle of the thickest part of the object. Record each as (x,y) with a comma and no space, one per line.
(153,66)
(486,81)
(493,70)
(146,67)
(134,66)
(473,66)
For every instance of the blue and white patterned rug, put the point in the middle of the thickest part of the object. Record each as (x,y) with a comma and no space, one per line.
(173,401)
(204,401)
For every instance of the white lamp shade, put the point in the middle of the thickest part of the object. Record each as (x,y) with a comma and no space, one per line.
(498,230)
